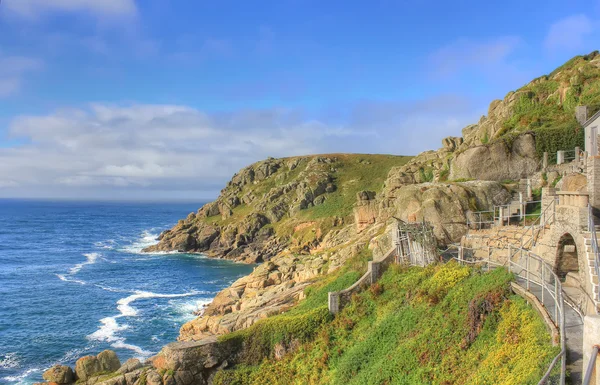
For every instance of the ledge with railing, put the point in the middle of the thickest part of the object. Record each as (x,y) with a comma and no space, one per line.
(537,276)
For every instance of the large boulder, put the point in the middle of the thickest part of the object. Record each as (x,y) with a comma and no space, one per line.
(86,367)
(109,362)
(497,161)
(444,205)
(59,374)
(129,366)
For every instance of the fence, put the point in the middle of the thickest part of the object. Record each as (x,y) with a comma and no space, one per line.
(537,276)
(338,299)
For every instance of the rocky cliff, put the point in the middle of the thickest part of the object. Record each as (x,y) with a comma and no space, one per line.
(307,219)
(278,203)
(509,141)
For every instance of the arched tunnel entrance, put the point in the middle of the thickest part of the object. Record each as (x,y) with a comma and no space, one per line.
(567,263)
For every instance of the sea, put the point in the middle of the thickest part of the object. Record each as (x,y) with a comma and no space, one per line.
(74,281)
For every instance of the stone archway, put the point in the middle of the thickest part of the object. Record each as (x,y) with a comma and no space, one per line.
(567,262)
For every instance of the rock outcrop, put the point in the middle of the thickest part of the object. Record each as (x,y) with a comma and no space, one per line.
(238,225)
(264,215)
(59,374)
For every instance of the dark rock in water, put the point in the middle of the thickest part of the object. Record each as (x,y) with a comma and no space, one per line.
(87,367)
(109,362)
(59,374)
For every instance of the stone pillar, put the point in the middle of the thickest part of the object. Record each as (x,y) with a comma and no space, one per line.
(529,190)
(545,161)
(581,114)
(548,196)
(593,182)
(374,268)
(591,337)
(334,302)
(560,157)
(577,157)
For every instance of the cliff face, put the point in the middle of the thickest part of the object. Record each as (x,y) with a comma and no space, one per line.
(506,143)
(278,203)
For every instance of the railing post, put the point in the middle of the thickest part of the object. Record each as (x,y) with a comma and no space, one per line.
(489,258)
(460,255)
(560,157)
(527,267)
(543,283)
(556,300)
(509,255)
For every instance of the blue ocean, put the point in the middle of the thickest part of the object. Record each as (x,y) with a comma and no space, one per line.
(73,282)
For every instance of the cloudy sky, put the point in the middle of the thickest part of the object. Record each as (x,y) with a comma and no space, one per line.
(166,99)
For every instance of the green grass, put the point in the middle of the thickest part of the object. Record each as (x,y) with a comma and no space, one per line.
(351,172)
(549,102)
(354,173)
(444,324)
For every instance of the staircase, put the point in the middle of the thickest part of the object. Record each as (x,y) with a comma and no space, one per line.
(520,197)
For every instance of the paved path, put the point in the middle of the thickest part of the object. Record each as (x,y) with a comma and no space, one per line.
(573,330)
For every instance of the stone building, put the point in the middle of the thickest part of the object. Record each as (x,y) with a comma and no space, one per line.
(591,126)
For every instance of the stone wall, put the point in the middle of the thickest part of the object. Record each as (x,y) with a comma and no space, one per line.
(338,299)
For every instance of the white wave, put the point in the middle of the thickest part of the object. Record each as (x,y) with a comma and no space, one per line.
(91,258)
(74,354)
(143,354)
(107,332)
(147,238)
(186,310)
(64,278)
(109,244)
(9,361)
(21,378)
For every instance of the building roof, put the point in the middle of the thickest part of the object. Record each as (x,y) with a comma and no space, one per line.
(593,118)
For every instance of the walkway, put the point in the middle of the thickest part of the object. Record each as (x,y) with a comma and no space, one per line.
(573,331)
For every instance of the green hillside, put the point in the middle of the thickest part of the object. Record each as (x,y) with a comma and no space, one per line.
(443,324)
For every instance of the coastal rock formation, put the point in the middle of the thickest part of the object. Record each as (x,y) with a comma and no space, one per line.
(239,224)
(59,374)
(444,205)
(275,286)
(86,367)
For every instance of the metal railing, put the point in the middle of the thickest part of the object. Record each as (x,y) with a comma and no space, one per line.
(532,232)
(534,272)
(591,366)
(594,240)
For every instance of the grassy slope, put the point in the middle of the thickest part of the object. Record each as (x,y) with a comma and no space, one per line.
(546,106)
(541,104)
(354,173)
(416,326)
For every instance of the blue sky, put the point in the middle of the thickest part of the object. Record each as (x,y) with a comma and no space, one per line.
(124,99)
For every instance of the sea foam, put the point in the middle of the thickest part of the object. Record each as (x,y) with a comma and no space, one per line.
(109,328)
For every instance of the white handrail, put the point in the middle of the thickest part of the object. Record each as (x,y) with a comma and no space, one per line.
(546,279)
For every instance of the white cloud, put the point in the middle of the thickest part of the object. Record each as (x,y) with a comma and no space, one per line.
(467,54)
(12,71)
(102,8)
(568,34)
(141,150)
(148,145)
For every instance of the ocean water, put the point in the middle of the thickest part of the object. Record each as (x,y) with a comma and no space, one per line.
(73,282)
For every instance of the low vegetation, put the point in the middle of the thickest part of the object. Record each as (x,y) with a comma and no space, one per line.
(443,324)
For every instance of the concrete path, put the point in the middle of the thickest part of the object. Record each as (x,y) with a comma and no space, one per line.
(573,330)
